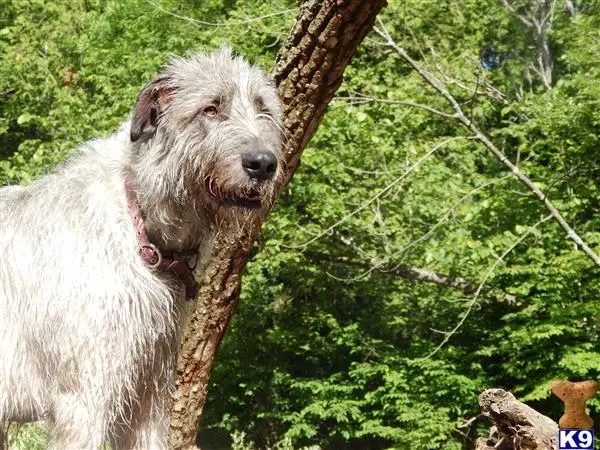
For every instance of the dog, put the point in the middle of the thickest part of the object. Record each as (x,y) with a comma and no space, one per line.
(97,257)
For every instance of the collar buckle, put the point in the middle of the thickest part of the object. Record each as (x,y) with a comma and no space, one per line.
(151,255)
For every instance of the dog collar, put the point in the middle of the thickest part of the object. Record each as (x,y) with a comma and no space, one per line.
(174,262)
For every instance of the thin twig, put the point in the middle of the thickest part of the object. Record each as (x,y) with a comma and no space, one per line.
(219,24)
(414,274)
(379,194)
(367,99)
(473,302)
(380,264)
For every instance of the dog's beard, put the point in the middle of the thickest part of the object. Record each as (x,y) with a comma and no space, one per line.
(240,207)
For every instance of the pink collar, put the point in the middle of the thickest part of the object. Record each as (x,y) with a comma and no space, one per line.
(173,262)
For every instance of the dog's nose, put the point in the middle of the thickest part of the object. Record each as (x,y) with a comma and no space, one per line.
(260,164)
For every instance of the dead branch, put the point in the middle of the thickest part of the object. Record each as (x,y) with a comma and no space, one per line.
(479,135)
(539,20)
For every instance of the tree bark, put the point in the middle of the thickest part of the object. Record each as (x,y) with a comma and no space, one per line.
(516,425)
(308,71)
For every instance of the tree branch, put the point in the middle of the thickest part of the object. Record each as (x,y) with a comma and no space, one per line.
(539,22)
(479,290)
(380,193)
(158,7)
(409,273)
(389,257)
(309,69)
(477,133)
(366,99)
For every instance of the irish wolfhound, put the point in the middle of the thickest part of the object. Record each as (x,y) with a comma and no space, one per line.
(95,257)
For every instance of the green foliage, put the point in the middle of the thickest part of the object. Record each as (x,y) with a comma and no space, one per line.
(70,71)
(338,345)
(31,436)
(331,340)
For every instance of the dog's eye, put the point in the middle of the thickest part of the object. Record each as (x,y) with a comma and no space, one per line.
(210,111)
(262,109)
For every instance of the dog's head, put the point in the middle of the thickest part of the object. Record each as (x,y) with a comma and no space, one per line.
(208,131)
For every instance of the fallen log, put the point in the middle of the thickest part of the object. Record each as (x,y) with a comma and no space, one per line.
(516,426)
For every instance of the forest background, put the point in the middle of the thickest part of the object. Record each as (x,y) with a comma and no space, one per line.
(403,270)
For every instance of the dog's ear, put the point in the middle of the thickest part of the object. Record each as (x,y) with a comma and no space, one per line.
(148,108)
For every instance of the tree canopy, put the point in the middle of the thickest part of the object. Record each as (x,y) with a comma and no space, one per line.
(404,269)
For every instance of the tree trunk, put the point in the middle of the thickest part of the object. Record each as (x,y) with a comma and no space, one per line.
(516,425)
(308,71)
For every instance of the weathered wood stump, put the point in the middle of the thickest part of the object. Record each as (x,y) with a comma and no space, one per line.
(516,426)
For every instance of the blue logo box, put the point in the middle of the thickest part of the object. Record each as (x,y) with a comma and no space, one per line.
(574,439)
